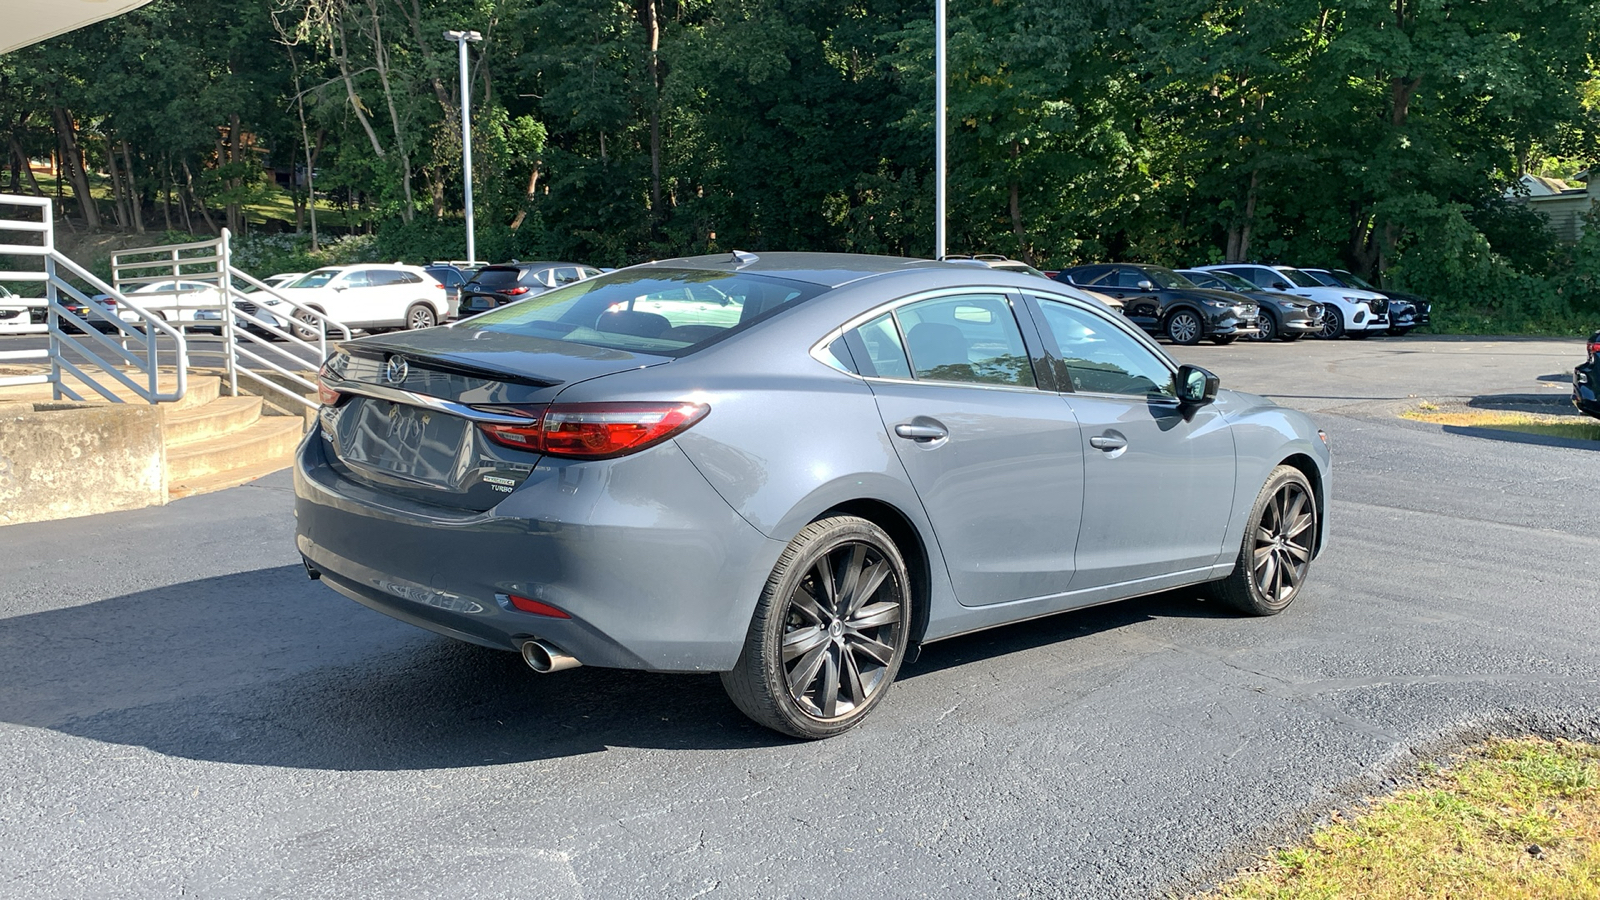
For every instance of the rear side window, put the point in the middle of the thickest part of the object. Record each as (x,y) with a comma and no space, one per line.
(665,312)
(966,339)
(356,279)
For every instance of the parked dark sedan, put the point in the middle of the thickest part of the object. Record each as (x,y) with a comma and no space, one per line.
(1585,378)
(1163,302)
(498,285)
(1284,317)
(792,469)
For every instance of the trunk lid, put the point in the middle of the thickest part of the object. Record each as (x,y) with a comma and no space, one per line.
(404,424)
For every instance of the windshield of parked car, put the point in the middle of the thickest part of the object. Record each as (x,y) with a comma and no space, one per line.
(1166,278)
(1299,278)
(667,312)
(1354,280)
(314,279)
(1234,282)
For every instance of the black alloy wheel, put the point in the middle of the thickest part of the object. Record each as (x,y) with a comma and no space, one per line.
(1184,327)
(1278,545)
(1332,322)
(829,633)
(420,315)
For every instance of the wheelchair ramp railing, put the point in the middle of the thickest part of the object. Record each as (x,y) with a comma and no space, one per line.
(97,335)
(267,337)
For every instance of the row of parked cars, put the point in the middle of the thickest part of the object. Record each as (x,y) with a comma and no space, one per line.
(1225,302)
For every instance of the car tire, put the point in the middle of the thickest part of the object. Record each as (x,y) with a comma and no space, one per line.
(1332,323)
(1275,555)
(420,316)
(1267,328)
(1184,327)
(820,654)
(305,326)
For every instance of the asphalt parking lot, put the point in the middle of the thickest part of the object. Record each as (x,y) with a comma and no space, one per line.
(183,713)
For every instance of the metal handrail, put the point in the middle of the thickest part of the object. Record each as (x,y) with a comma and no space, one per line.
(136,348)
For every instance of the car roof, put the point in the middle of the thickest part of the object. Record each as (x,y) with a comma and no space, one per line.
(826,269)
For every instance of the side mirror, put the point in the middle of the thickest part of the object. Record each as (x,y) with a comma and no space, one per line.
(1196,386)
(1147,286)
(341,287)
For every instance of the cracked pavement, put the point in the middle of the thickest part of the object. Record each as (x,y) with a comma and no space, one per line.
(183,713)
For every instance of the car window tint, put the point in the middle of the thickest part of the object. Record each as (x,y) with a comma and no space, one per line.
(1126,277)
(970,338)
(877,350)
(566,275)
(496,277)
(356,279)
(1100,357)
(1092,275)
(1257,276)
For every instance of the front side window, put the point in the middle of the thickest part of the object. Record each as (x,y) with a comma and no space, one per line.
(1299,278)
(1100,357)
(969,338)
(356,279)
(315,279)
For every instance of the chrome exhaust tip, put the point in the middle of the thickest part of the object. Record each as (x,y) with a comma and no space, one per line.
(544,659)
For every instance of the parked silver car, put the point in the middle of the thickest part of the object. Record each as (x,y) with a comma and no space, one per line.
(794,470)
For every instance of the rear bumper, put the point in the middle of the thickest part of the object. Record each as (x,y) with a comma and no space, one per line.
(656,570)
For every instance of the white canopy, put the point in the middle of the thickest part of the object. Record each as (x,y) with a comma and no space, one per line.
(31,21)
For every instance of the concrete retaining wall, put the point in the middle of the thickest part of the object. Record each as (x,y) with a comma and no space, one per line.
(59,460)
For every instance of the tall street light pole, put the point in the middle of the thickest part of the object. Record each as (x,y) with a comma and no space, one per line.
(462,38)
(939,151)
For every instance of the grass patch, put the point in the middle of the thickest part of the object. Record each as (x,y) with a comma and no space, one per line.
(1512,819)
(1525,423)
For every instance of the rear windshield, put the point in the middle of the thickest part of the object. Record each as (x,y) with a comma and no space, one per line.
(493,278)
(667,312)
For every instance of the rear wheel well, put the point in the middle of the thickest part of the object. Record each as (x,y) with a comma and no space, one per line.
(1308,468)
(909,541)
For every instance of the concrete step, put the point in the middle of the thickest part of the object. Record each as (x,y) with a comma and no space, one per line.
(221,416)
(217,481)
(269,441)
(201,389)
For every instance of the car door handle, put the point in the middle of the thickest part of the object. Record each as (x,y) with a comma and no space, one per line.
(921,432)
(1108,442)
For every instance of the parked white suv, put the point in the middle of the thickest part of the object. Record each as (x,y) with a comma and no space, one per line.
(1346,311)
(177,301)
(370,296)
(17,316)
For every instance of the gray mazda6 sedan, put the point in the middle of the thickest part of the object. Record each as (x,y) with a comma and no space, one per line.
(793,469)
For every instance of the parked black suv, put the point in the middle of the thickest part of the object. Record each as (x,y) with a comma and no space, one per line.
(1584,379)
(498,285)
(1161,301)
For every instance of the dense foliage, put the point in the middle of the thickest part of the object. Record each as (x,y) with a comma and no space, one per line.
(1381,135)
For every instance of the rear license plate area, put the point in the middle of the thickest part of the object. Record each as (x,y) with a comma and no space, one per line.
(401,440)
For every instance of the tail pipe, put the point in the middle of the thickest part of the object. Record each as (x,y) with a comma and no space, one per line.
(544,658)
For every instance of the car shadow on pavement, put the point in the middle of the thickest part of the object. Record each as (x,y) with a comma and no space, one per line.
(1022,636)
(269,668)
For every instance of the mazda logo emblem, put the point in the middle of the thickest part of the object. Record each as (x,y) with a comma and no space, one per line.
(395,372)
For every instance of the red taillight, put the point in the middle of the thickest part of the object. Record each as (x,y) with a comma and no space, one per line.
(515,291)
(1594,347)
(533,606)
(327,396)
(598,430)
